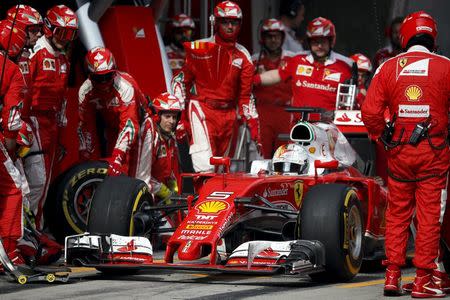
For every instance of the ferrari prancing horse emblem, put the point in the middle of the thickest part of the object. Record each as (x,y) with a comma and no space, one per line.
(402,62)
(298,193)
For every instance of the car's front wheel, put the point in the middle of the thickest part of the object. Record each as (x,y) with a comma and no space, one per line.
(331,214)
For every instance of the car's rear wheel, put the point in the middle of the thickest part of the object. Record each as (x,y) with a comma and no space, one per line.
(331,214)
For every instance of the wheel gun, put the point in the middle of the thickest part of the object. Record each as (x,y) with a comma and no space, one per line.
(386,136)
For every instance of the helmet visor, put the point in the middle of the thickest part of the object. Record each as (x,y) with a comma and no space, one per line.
(65,34)
(34,29)
(102,78)
(286,167)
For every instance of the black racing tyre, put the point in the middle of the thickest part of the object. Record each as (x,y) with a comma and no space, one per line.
(73,194)
(331,214)
(114,204)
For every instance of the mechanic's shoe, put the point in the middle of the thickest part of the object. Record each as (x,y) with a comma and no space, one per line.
(16,258)
(392,283)
(442,280)
(407,287)
(425,287)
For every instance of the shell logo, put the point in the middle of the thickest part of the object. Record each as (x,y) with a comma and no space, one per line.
(212,207)
(413,93)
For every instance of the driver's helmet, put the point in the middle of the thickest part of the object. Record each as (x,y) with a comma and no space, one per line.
(290,159)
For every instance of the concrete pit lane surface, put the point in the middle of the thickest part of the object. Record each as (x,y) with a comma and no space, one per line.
(87,283)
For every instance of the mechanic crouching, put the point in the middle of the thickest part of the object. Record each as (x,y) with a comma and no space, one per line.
(122,106)
(415,86)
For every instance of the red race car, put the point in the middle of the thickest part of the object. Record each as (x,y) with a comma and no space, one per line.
(320,217)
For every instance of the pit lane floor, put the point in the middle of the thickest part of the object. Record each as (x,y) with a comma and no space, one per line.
(87,283)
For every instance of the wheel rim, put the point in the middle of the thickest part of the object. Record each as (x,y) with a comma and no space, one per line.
(355,232)
(140,208)
(83,198)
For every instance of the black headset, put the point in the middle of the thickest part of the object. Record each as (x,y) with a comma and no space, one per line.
(290,7)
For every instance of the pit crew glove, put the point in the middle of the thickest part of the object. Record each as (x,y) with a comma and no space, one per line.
(24,140)
(181,131)
(253,126)
(115,163)
(164,194)
(173,186)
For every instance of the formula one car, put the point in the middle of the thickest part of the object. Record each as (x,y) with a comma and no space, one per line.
(322,221)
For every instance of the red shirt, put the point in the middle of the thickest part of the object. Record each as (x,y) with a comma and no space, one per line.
(315,84)
(279,94)
(415,85)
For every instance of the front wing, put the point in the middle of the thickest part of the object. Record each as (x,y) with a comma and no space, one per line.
(115,253)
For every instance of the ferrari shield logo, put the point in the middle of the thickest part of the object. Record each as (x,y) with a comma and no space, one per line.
(402,62)
(298,193)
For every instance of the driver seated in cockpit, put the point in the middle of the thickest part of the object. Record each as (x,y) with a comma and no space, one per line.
(291,159)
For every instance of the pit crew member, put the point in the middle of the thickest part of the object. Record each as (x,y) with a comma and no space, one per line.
(214,94)
(364,72)
(292,14)
(164,164)
(315,74)
(182,27)
(29,20)
(394,48)
(121,104)
(49,69)
(415,86)
(272,100)
(12,94)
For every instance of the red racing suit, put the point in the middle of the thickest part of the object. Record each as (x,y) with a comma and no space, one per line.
(128,128)
(416,87)
(12,91)
(383,55)
(271,102)
(165,165)
(315,84)
(24,64)
(215,82)
(49,70)
(176,57)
